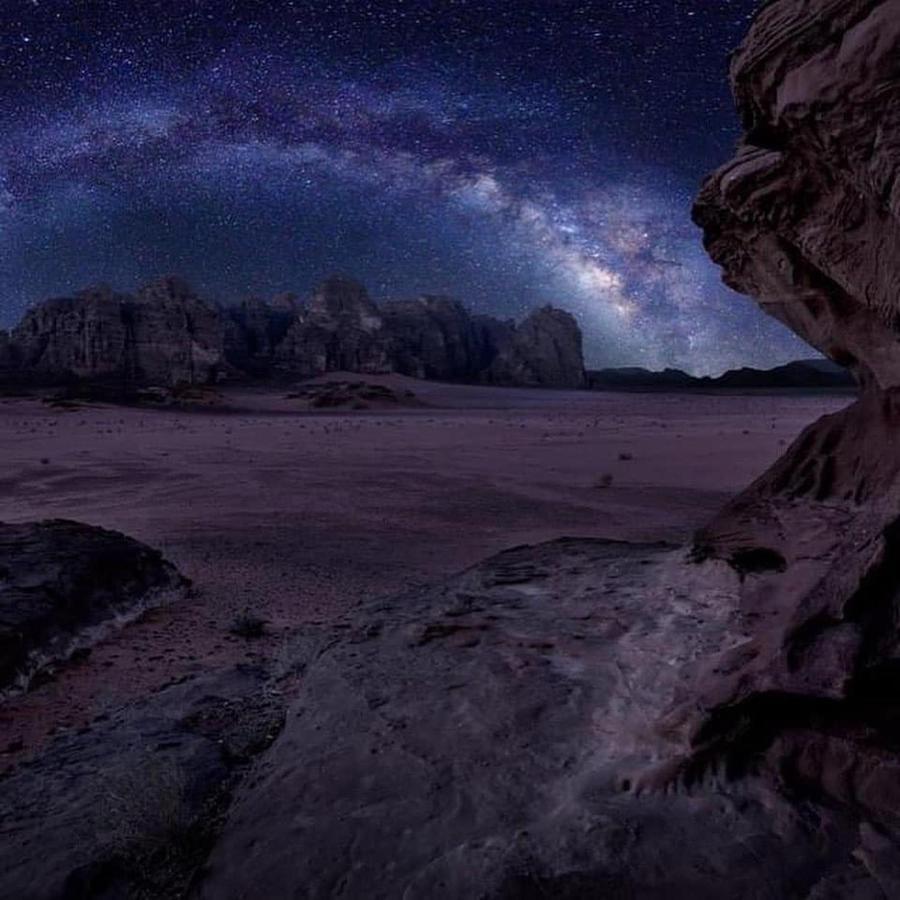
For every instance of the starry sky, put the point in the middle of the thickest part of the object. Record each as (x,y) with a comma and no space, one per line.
(507,152)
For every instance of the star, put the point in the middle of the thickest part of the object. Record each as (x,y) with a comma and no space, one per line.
(551,156)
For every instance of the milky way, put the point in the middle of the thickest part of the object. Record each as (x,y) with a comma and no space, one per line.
(509,154)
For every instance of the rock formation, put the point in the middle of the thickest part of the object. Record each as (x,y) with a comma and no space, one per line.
(62,582)
(253,329)
(436,337)
(806,219)
(545,350)
(340,330)
(803,373)
(166,336)
(129,807)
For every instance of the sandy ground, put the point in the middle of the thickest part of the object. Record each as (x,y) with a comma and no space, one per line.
(298,516)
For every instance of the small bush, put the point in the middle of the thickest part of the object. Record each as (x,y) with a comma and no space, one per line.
(604,481)
(248,626)
(625,457)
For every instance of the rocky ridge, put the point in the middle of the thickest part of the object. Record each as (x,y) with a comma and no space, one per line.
(166,335)
(801,374)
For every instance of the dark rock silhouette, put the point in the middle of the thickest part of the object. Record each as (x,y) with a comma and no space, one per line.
(804,373)
(166,335)
(545,349)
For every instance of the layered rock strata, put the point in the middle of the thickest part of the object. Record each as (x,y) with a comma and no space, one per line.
(806,219)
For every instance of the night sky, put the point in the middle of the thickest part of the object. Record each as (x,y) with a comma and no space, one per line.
(509,153)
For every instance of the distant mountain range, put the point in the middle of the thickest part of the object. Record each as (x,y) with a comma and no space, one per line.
(804,373)
(165,335)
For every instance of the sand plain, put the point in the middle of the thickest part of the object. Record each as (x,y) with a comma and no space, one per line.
(299,516)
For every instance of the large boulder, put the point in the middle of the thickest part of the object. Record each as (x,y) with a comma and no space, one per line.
(129,806)
(63,582)
(473,740)
(544,350)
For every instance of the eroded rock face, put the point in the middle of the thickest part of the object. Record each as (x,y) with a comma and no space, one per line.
(805,219)
(61,581)
(129,807)
(85,336)
(545,350)
(340,330)
(436,337)
(178,337)
(164,335)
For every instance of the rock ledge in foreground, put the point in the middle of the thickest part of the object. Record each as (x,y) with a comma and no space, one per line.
(62,582)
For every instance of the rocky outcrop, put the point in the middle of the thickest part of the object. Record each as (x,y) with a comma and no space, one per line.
(473,740)
(62,582)
(177,336)
(806,219)
(85,336)
(436,337)
(164,335)
(340,330)
(545,350)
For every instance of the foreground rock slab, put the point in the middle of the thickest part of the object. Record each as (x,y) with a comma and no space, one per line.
(62,582)
(129,807)
(477,740)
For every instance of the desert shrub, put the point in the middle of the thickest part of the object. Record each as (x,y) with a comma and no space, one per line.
(247,625)
(604,481)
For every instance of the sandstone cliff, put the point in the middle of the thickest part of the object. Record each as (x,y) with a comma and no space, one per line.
(166,335)
(544,350)
(163,335)
(340,329)
(436,337)
(806,219)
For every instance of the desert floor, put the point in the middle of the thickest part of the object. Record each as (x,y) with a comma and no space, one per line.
(299,516)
